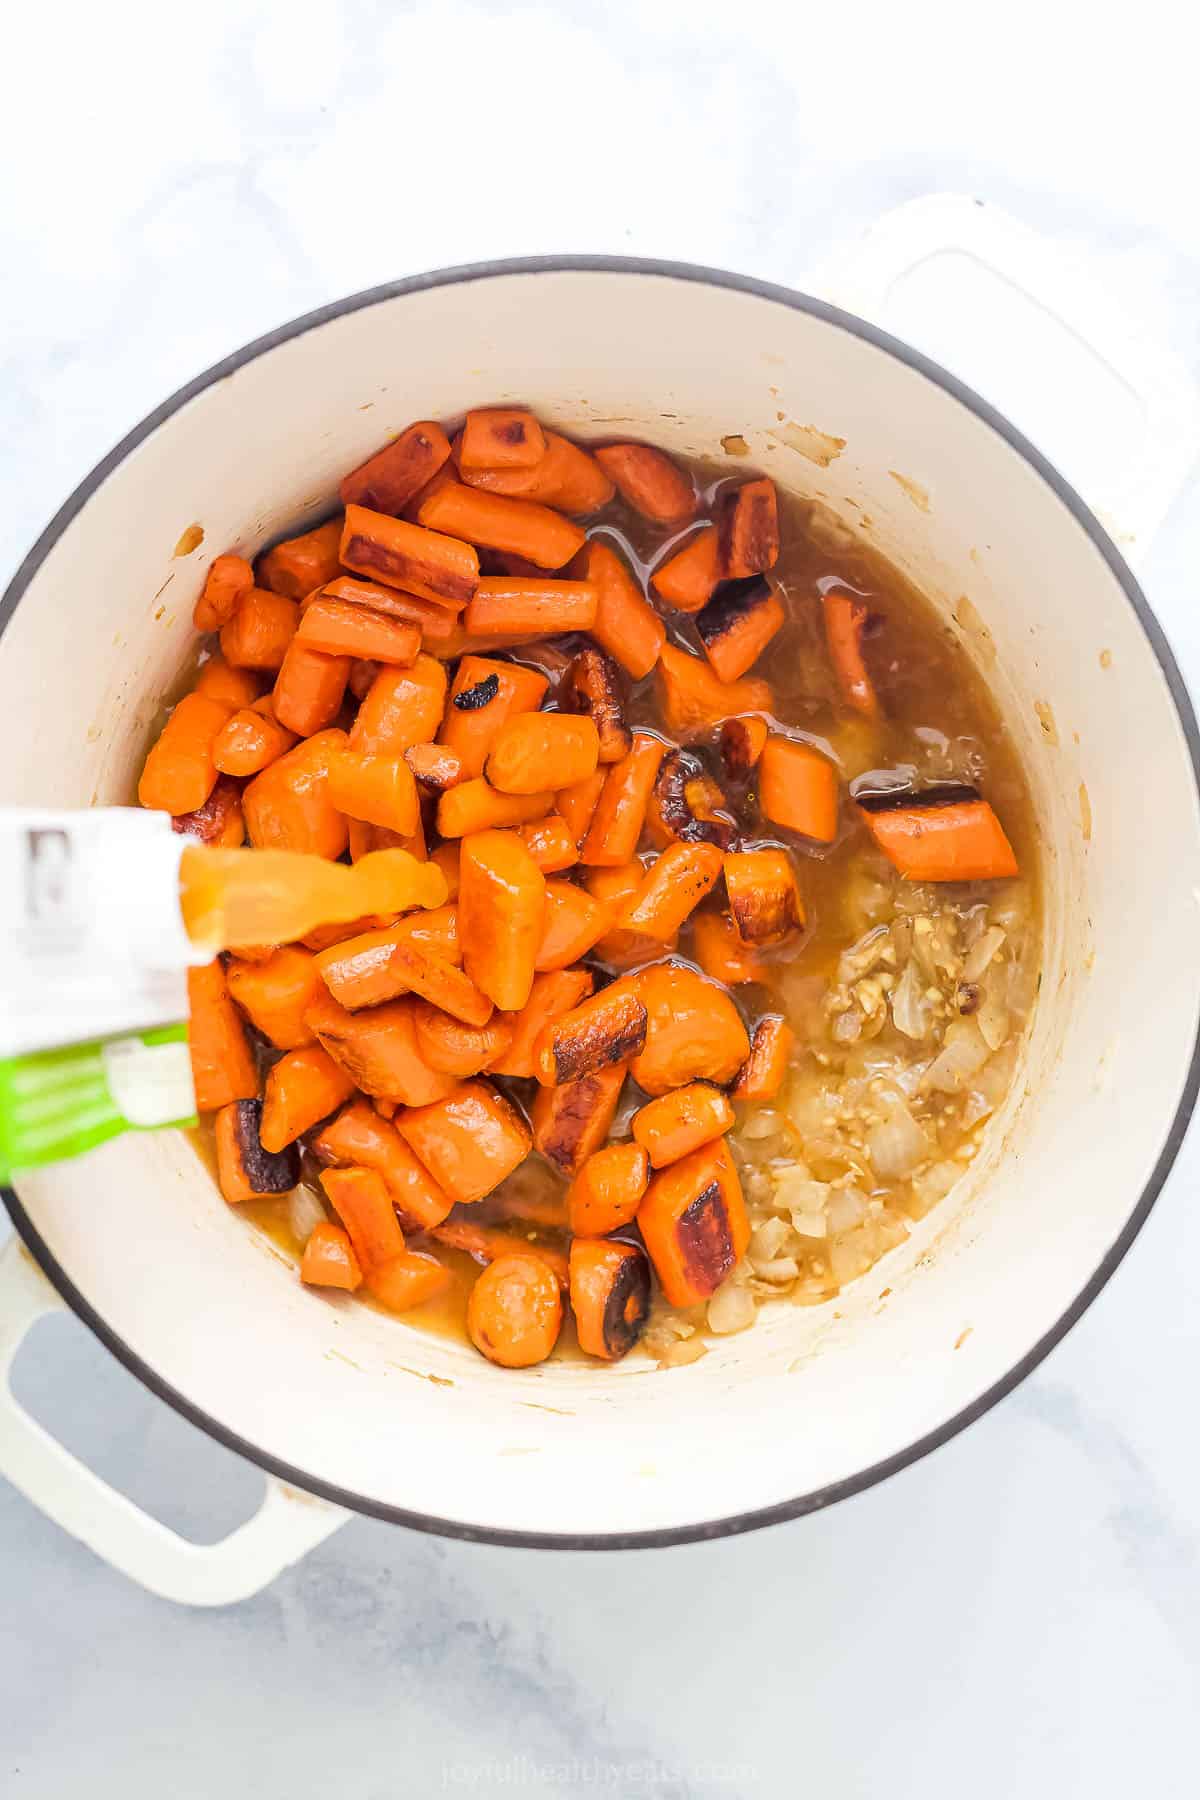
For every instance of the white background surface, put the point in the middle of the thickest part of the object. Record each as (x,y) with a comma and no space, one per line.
(1020,1614)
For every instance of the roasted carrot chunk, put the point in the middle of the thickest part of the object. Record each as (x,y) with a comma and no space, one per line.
(693,701)
(721,951)
(276,994)
(550,844)
(453,1048)
(573,922)
(626,625)
(222,1062)
(798,789)
(686,579)
(329,1259)
(535,752)
(436,979)
(363,1202)
(845,622)
(933,840)
(610,1296)
(407,1280)
(693,1030)
(435,621)
(219,821)
(677,1123)
(550,996)
(673,887)
(447,857)
(387,481)
(423,562)
(245,1170)
(382,790)
(693,1222)
(742,744)
(309,688)
(520,526)
(302,1088)
(566,477)
(485,694)
(378,1050)
(434,766)
(591,688)
(576,806)
(737,624)
(227,580)
(180,773)
(358,971)
(288,806)
(748,530)
(469,1141)
(608,1189)
(501,907)
(621,810)
(501,437)
(325,937)
(517,609)
(487,1245)
(477,806)
(259,631)
(404,707)
(763,897)
(651,483)
(248,741)
(300,564)
(616,888)
(762,1073)
(608,1028)
(572,1120)
(360,1138)
(340,628)
(514,1314)
(236,687)
(687,806)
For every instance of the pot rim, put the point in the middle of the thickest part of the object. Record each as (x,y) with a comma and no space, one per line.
(831,315)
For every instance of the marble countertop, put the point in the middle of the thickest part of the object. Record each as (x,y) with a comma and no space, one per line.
(1020,1613)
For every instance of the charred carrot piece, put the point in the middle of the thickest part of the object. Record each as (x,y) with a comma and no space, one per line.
(387,481)
(249,741)
(673,887)
(260,630)
(798,789)
(748,530)
(549,998)
(573,923)
(501,907)
(566,478)
(423,562)
(694,702)
(934,840)
(501,437)
(517,609)
(677,1123)
(219,821)
(737,624)
(487,1245)
(721,952)
(435,622)
(615,888)
(763,897)
(649,481)
(403,707)
(302,1088)
(742,744)
(276,994)
(590,688)
(222,1062)
(288,806)
(608,1189)
(300,564)
(340,628)
(845,623)
(693,1030)
(382,790)
(180,773)
(245,1171)
(485,694)
(478,806)
(762,1074)
(687,806)
(626,625)
(610,1296)
(469,1141)
(686,579)
(309,688)
(693,1222)
(621,810)
(576,806)
(434,766)
(227,580)
(520,526)
(550,844)
(572,1120)
(535,752)
(407,1280)
(360,1138)
(378,1049)
(436,979)
(514,1314)
(363,1202)
(607,1029)
(235,687)
(329,1259)
(452,1048)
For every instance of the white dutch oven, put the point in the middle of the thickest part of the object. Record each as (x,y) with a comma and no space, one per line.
(347,1409)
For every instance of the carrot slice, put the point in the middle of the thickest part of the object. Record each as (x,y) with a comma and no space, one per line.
(436,979)
(572,1120)
(693,1030)
(621,811)
(610,1296)
(236,687)
(452,1048)
(609,1028)
(520,526)
(615,888)
(435,622)
(381,790)
(501,906)
(435,767)
(608,1189)
(550,844)
(288,807)
(693,1222)
(535,752)
(798,789)
(478,806)
(576,806)
(423,562)
(180,773)
(737,624)
(402,708)
(567,478)
(959,841)
(692,700)
(721,951)
(549,998)
(591,688)
(363,1202)
(329,1259)
(407,1280)
(249,741)
(686,579)
(378,1049)
(487,1245)
(309,689)
(277,993)
(484,696)
(517,608)
(222,1061)
(572,924)
(358,1136)
(300,564)
(340,628)
(673,887)
(677,1123)
(626,625)
(763,897)
(387,481)
(514,1314)
(245,1171)
(302,1088)
(469,1141)
(762,1074)
(748,529)
(742,744)
(219,821)
(501,437)
(258,633)
(227,580)
(845,622)
(651,483)
(358,971)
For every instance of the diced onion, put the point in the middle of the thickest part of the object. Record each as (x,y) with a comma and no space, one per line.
(982,952)
(778,1270)
(731,1309)
(912,1012)
(845,1210)
(305,1213)
(897,1145)
(962,1055)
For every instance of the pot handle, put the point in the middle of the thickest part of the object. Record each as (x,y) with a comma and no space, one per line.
(1032,330)
(286,1526)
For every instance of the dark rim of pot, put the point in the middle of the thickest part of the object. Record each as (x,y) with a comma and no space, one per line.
(865,1478)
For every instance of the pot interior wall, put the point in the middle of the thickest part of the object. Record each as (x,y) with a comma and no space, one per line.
(809,1397)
